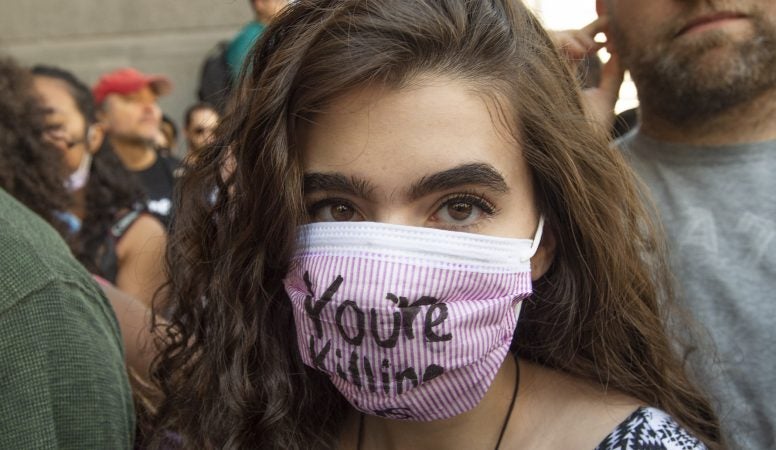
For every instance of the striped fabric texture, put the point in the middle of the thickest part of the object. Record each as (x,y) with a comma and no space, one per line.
(409,323)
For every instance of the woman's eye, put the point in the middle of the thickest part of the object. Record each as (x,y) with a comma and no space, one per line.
(54,129)
(334,212)
(55,133)
(341,213)
(460,211)
(463,211)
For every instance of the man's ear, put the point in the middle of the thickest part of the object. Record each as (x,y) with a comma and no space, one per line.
(94,137)
(545,254)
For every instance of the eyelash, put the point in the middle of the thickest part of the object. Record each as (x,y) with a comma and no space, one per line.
(489,209)
(474,198)
(329,202)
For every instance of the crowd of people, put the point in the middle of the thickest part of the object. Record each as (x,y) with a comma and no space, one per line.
(400,225)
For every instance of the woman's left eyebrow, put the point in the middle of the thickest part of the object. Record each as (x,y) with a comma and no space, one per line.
(480,174)
(337,182)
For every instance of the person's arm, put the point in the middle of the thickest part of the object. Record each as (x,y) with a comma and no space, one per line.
(63,382)
(135,320)
(141,259)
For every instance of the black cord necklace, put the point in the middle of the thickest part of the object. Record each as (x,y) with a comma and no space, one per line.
(503,425)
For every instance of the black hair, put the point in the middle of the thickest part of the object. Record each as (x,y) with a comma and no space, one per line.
(78,90)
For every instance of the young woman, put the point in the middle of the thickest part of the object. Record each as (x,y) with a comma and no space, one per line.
(111,233)
(411,177)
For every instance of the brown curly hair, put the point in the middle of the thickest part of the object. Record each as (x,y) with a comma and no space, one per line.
(31,170)
(231,371)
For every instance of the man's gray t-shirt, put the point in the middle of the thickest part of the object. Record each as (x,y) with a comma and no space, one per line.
(718,207)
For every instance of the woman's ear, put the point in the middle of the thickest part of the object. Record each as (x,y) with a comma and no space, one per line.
(95,134)
(545,254)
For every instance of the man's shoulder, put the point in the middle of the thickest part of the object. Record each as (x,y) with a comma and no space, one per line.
(248,32)
(625,142)
(35,257)
(32,250)
(20,220)
(63,379)
(638,143)
(241,44)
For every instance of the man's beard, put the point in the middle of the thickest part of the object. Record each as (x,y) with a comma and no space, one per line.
(680,85)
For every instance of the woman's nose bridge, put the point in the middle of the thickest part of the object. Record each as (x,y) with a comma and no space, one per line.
(397,213)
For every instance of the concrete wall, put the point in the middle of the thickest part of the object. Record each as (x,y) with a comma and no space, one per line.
(90,37)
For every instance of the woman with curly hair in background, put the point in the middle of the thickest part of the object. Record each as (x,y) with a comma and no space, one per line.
(112,235)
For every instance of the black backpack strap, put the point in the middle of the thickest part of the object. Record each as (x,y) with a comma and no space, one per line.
(124,222)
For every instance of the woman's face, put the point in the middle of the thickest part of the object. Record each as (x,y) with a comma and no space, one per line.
(65,125)
(429,155)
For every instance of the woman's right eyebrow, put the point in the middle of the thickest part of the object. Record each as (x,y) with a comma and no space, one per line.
(337,182)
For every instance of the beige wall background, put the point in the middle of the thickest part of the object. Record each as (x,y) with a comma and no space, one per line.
(90,37)
(172,37)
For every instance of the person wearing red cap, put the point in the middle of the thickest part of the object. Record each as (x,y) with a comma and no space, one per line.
(127,108)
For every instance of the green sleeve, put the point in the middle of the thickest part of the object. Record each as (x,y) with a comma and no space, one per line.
(63,383)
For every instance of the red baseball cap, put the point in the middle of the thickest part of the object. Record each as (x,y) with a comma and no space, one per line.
(128,80)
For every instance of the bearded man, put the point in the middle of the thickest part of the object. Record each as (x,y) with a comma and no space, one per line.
(705,71)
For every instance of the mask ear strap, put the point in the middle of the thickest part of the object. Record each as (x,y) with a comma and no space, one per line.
(86,163)
(536,240)
(91,130)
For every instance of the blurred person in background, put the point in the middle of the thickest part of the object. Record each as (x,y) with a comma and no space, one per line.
(127,109)
(113,236)
(200,122)
(236,52)
(705,72)
(166,140)
(63,382)
(222,64)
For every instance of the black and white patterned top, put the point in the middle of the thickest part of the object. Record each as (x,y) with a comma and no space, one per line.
(650,429)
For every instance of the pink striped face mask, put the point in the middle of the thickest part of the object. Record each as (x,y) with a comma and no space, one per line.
(408,323)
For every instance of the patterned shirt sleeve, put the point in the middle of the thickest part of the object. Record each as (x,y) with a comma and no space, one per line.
(650,429)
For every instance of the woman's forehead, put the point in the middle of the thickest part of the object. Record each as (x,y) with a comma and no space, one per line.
(53,93)
(381,132)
